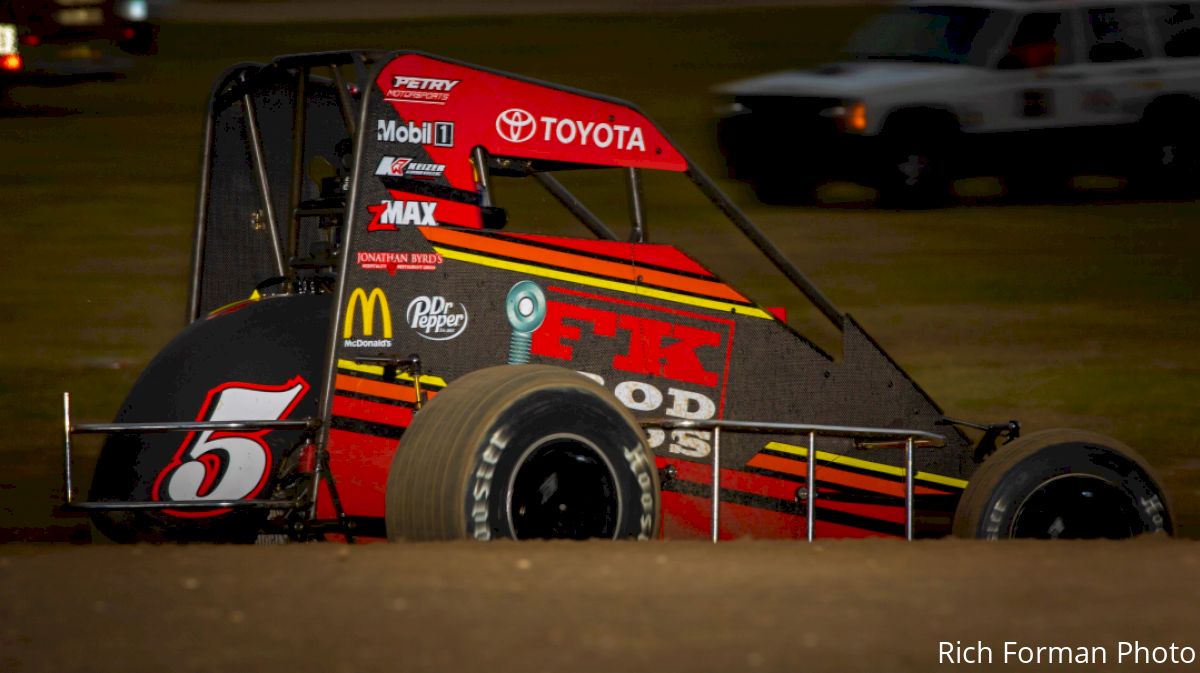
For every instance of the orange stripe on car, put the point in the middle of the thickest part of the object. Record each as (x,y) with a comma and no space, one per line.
(628,272)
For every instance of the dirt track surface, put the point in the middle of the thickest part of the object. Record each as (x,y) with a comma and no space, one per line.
(880,606)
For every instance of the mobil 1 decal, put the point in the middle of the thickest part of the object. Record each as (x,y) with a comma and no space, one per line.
(657,360)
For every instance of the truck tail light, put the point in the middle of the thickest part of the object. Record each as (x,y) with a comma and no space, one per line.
(10,62)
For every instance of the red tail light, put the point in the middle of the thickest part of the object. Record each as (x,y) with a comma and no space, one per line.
(10,62)
(31,40)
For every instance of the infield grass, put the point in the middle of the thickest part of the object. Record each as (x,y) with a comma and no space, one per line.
(1078,315)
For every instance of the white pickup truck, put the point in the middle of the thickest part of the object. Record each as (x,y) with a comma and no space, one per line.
(1034,92)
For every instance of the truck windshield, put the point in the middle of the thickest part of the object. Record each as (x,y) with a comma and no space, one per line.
(935,34)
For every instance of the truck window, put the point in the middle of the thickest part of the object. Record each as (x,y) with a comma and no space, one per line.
(1179,28)
(1116,34)
(1039,42)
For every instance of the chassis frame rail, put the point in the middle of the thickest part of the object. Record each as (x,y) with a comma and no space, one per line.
(182,426)
(884,438)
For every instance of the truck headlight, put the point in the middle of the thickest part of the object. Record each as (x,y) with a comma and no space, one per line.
(851,117)
(133,10)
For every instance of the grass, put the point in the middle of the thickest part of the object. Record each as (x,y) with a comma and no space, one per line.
(1079,315)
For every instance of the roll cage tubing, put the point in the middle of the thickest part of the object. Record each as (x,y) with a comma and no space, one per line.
(240,81)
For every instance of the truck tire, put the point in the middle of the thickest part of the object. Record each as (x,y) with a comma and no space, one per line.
(1063,484)
(523,452)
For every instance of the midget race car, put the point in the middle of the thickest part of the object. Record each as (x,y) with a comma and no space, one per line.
(377,348)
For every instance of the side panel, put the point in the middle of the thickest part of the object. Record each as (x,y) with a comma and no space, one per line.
(655,327)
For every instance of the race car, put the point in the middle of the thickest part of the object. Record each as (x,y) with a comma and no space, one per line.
(377,348)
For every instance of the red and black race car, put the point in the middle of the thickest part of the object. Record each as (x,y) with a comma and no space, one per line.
(378,348)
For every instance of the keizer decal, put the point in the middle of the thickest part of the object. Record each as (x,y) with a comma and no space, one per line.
(390,215)
(398,261)
(436,319)
(428,90)
(438,134)
(517,126)
(405,167)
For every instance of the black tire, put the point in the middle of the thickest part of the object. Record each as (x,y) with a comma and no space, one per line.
(523,451)
(1063,484)
(916,165)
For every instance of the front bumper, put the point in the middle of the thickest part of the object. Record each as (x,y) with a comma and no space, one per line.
(771,139)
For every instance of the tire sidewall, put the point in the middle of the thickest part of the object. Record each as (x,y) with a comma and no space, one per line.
(546,414)
(1002,508)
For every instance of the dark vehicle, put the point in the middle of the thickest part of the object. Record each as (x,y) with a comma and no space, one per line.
(377,349)
(58,42)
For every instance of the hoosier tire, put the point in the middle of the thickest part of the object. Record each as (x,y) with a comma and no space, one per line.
(522,451)
(1063,484)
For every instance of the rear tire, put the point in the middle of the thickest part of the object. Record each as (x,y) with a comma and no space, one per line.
(522,452)
(1063,484)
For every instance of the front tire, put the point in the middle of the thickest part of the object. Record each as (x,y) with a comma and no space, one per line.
(1063,484)
(522,452)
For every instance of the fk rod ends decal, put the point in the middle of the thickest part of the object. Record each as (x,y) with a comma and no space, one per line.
(526,309)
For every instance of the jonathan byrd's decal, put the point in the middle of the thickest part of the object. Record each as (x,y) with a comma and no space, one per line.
(398,261)
(436,319)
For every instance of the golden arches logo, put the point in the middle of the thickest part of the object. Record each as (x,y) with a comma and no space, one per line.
(361,302)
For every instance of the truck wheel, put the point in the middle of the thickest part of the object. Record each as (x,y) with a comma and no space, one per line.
(523,452)
(1063,484)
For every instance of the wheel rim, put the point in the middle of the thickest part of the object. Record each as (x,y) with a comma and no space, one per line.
(1076,507)
(914,170)
(563,488)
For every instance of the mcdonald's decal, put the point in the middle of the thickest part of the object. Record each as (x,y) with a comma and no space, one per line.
(361,312)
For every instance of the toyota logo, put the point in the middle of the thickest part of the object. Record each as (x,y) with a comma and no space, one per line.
(515,125)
